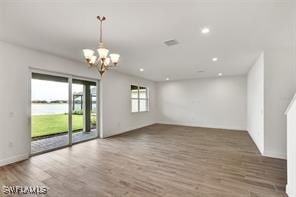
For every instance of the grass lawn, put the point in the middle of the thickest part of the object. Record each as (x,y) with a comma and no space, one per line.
(55,123)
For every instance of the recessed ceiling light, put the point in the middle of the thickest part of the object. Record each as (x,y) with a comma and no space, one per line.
(220,74)
(214,59)
(167,78)
(205,30)
(141,69)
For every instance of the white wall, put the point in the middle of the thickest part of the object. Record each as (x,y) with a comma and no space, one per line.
(291,149)
(212,102)
(255,102)
(279,87)
(117,116)
(14,89)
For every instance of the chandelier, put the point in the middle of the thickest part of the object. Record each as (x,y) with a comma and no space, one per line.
(102,62)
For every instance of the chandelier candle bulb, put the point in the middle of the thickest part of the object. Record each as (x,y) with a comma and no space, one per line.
(103,53)
(93,59)
(88,53)
(114,58)
(107,61)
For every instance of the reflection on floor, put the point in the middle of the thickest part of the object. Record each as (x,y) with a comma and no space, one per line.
(56,141)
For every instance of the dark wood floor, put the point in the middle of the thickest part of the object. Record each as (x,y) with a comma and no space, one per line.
(159,160)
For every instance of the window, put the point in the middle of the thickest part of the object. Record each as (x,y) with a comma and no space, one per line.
(139,98)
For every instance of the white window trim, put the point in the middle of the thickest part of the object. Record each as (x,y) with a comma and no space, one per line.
(139,99)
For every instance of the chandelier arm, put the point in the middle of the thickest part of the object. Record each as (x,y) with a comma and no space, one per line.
(100,69)
(103,67)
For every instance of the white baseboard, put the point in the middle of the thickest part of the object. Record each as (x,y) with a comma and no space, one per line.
(275,155)
(260,149)
(201,126)
(290,192)
(13,159)
(126,130)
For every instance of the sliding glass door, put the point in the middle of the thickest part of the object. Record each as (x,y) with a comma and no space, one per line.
(83,110)
(63,111)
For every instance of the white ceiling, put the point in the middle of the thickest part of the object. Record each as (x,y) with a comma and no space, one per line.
(136,29)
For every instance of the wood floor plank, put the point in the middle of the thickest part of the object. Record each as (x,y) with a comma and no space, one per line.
(159,160)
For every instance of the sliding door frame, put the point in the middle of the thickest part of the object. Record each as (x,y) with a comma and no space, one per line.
(98,111)
(70,98)
(70,78)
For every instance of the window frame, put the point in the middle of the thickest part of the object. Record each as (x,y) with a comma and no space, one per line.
(147,99)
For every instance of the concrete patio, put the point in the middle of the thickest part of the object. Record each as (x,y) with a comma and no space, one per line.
(56,141)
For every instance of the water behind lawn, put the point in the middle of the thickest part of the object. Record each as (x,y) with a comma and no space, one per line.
(45,109)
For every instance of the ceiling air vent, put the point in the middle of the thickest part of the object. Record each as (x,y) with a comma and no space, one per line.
(171,43)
